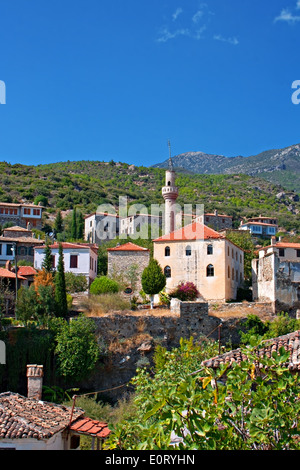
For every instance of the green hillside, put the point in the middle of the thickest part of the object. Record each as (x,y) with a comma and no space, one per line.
(87,184)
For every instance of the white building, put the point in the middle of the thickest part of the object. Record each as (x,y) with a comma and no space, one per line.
(79,258)
(261,226)
(101,226)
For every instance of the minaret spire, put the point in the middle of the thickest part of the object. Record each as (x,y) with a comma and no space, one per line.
(170,157)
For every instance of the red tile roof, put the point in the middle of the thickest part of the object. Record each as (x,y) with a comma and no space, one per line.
(9,274)
(290,342)
(22,417)
(128,247)
(91,427)
(68,245)
(282,245)
(26,271)
(194,231)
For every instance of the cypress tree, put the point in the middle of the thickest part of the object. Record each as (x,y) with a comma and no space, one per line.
(60,286)
(79,226)
(74,225)
(58,224)
(47,261)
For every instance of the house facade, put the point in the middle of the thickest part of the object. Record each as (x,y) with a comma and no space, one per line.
(262,227)
(215,220)
(100,227)
(276,276)
(17,243)
(199,254)
(21,214)
(79,258)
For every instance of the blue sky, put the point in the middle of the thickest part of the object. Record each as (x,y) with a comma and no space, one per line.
(116,79)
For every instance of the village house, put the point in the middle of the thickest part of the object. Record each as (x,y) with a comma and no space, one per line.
(215,220)
(16,244)
(28,423)
(199,254)
(127,262)
(261,227)
(79,258)
(21,214)
(276,276)
(100,227)
(134,224)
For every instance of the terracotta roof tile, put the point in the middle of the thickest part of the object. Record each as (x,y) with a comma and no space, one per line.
(21,417)
(91,427)
(26,271)
(128,247)
(194,231)
(9,274)
(290,342)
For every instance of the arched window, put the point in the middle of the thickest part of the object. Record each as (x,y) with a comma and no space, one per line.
(169,183)
(167,271)
(188,251)
(167,251)
(210,271)
(210,249)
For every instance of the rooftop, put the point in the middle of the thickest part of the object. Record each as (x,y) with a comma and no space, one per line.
(128,247)
(22,417)
(290,342)
(194,231)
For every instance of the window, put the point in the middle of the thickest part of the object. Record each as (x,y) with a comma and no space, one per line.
(281,251)
(53,261)
(210,250)
(210,271)
(167,271)
(27,211)
(167,251)
(9,250)
(228,272)
(298,253)
(73,261)
(188,251)
(1,249)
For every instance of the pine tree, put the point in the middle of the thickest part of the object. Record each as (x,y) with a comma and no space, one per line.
(47,264)
(60,286)
(153,279)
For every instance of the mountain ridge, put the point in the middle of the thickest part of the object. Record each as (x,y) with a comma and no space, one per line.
(281,166)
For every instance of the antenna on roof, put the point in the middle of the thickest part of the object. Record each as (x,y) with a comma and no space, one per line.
(170,158)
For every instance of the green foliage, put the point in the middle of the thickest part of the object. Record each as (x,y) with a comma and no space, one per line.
(153,278)
(47,264)
(103,285)
(58,224)
(41,199)
(36,305)
(60,286)
(254,329)
(75,283)
(238,408)
(76,348)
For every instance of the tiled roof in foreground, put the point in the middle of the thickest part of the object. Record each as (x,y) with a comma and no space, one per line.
(22,417)
(290,342)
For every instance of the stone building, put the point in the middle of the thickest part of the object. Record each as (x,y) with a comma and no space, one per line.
(17,243)
(215,220)
(127,262)
(199,254)
(276,276)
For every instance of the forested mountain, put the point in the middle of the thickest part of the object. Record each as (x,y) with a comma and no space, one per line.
(87,184)
(278,166)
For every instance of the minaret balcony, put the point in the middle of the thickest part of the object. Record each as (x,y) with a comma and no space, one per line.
(170,190)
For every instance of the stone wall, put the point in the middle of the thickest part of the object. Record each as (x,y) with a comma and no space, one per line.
(130,340)
(120,263)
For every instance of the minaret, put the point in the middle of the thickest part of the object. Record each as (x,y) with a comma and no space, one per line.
(170,194)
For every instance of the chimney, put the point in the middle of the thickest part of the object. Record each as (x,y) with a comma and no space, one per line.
(273,241)
(8,265)
(34,381)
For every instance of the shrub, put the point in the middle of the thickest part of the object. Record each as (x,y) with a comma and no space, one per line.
(75,283)
(185,292)
(103,285)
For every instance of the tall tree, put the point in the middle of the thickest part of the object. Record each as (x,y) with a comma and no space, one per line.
(74,225)
(60,286)
(58,224)
(47,264)
(79,225)
(153,279)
